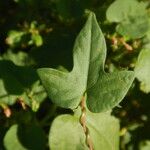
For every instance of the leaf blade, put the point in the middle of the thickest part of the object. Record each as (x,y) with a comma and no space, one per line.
(66,89)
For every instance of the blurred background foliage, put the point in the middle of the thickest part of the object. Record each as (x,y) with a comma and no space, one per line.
(35,33)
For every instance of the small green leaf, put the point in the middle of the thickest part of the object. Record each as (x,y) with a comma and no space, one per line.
(104,91)
(104,132)
(142,70)
(20,137)
(14,37)
(37,39)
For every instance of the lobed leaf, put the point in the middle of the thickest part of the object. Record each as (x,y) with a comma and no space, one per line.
(19,82)
(104,91)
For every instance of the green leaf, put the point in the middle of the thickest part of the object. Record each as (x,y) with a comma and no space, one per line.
(19,82)
(104,90)
(132,17)
(14,37)
(134,27)
(20,137)
(125,8)
(72,135)
(142,70)
(104,132)
(37,39)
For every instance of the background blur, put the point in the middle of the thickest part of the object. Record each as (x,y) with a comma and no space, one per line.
(41,33)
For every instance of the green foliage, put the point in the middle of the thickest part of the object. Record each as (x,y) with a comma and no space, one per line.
(24,85)
(132,18)
(28,36)
(14,37)
(77,104)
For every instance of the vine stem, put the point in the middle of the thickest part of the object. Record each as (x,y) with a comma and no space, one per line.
(83,123)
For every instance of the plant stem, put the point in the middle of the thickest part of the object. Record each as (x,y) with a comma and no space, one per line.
(83,123)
